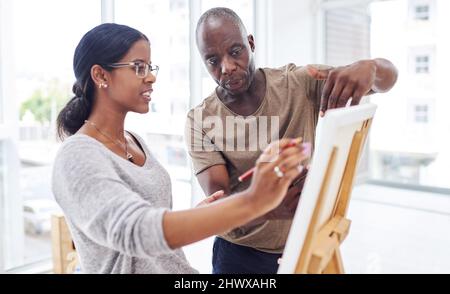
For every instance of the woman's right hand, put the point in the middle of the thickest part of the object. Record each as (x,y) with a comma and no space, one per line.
(267,189)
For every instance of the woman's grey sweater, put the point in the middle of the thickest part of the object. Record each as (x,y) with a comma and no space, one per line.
(115,209)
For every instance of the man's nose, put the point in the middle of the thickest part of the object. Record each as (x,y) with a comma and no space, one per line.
(228,66)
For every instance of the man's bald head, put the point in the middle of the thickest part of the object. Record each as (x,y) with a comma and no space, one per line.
(220,14)
(226,49)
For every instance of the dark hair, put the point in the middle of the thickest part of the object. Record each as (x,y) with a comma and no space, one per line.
(104,44)
(221,12)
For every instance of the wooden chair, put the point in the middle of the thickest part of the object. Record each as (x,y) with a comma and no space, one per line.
(65,258)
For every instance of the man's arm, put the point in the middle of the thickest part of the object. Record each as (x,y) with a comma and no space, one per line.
(214,179)
(354,81)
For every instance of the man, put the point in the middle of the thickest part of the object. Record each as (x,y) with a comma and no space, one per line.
(290,97)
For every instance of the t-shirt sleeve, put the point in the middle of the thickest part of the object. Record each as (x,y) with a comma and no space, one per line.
(315,86)
(95,200)
(201,148)
(312,86)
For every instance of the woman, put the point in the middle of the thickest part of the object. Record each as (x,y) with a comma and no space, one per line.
(115,195)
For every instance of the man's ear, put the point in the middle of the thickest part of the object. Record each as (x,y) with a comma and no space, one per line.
(251,42)
(99,75)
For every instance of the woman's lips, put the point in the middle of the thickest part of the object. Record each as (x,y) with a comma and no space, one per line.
(147,95)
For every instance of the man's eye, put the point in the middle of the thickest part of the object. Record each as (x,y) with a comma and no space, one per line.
(236,52)
(212,61)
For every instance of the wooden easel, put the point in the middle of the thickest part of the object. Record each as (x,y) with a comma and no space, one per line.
(321,253)
(65,258)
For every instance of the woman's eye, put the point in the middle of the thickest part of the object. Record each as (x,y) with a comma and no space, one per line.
(212,61)
(141,68)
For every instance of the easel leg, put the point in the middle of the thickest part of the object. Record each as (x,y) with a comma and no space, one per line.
(335,266)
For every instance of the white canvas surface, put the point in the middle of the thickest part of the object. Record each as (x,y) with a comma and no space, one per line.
(336,129)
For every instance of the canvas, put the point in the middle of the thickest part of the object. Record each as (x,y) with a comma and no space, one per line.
(335,135)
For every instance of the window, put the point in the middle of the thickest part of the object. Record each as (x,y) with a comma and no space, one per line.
(395,134)
(422,59)
(166,24)
(347,39)
(422,12)
(406,147)
(42,54)
(421,113)
(406,143)
(422,64)
(347,33)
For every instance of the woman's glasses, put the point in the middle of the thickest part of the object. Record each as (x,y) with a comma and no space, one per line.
(142,68)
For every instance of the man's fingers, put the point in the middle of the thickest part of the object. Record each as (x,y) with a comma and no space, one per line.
(345,96)
(218,194)
(318,74)
(324,99)
(215,196)
(357,96)
(335,95)
(355,101)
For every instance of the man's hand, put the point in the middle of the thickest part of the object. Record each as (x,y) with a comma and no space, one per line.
(214,197)
(286,209)
(344,83)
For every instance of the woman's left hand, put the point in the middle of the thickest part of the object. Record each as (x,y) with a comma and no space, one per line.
(214,197)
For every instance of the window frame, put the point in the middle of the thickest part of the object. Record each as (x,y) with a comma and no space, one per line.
(413,13)
(420,15)
(8,138)
(421,113)
(422,63)
(420,52)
